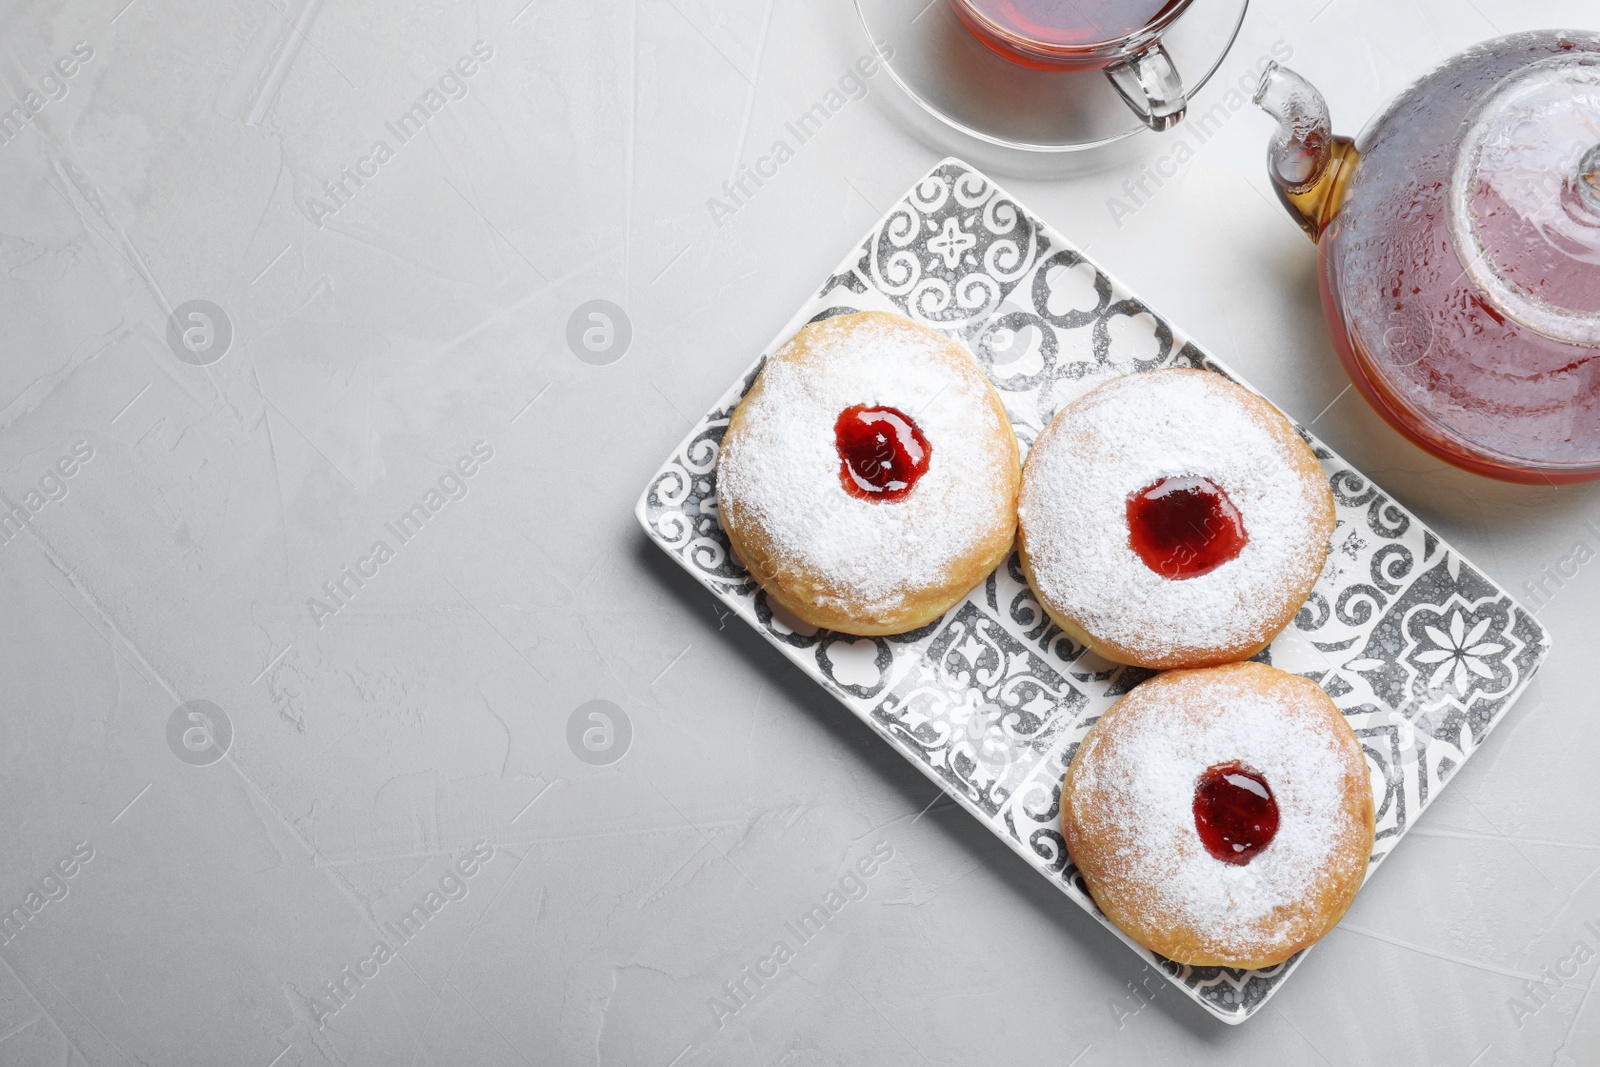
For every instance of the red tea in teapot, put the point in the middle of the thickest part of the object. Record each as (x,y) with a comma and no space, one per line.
(1059,33)
(1460,239)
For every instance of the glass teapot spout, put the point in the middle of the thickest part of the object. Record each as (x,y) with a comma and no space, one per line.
(1309,165)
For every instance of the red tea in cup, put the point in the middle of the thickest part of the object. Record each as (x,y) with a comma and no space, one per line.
(1122,37)
(1063,34)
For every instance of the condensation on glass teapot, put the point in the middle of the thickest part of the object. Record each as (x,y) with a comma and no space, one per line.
(1460,238)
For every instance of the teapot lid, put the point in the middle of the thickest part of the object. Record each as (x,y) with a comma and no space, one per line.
(1524,197)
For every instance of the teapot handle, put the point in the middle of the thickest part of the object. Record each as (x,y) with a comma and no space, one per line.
(1148,81)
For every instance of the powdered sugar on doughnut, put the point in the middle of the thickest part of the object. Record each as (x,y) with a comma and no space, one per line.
(1141,784)
(784,469)
(1129,434)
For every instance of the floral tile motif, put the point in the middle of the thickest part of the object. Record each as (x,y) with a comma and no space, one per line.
(1421,651)
(980,708)
(1449,652)
(951,250)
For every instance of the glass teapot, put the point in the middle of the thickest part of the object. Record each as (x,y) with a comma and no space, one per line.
(1459,240)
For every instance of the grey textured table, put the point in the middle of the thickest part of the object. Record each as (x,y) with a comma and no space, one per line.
(243,747)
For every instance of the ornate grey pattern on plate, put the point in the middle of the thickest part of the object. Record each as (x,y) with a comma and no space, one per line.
(1421,651)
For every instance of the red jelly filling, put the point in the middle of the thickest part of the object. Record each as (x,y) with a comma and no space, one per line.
(1234,812)
(1184,526)
(882,452)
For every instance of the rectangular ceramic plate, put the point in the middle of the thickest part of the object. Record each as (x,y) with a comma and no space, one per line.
(1420,650)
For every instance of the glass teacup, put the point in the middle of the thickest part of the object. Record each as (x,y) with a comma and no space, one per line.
(1121,37)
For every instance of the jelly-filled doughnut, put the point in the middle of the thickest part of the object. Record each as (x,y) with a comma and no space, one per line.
(868,480)
(1222,816)
(1173,519)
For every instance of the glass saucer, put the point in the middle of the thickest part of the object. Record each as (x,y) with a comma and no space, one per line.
(955,78)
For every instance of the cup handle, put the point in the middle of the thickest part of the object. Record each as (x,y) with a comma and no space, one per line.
(1149,83)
